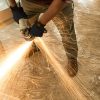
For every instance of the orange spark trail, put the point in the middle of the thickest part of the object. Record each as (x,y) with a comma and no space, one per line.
(13,58)
(67,81)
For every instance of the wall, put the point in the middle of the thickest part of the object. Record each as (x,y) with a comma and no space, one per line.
(3,5)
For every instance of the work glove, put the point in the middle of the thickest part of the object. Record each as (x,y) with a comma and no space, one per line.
(18,13)
(37,29)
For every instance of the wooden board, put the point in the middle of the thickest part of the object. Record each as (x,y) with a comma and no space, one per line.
(5,18)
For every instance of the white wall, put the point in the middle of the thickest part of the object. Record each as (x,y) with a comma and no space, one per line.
(3,4)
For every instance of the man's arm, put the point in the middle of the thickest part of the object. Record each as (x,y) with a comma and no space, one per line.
(53,9)
(38,28)
(17,11)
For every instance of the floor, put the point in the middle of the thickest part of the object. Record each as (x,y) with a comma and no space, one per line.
(34,78)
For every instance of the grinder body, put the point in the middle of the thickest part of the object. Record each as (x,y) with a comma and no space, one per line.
(25,28)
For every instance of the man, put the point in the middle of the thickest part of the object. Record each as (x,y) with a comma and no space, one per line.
(37,6)
(50,8)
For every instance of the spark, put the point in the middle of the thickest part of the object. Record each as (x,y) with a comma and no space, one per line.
(67,81)
(13,58)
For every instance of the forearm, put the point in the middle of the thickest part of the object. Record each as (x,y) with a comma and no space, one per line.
(12,3)
(54,8)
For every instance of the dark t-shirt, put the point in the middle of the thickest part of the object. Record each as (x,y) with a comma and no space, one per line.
(41,2)
(35,6)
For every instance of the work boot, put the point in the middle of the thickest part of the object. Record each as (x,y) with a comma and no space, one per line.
(72,67)
(33,49)
(36,49)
